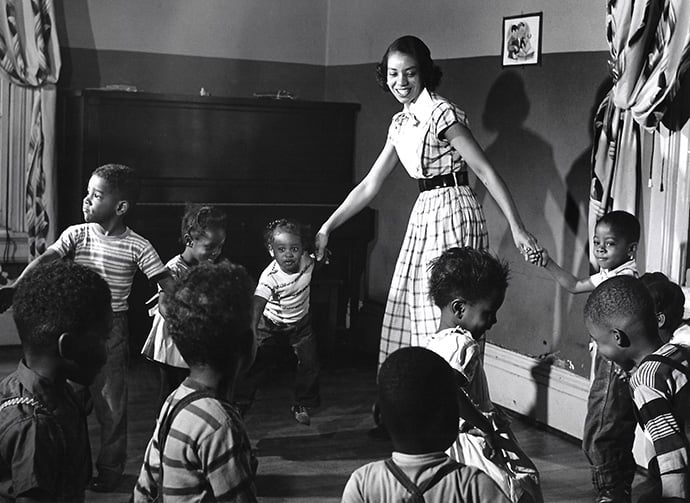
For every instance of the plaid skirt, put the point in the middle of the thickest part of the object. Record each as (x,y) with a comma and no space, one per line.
(440,219)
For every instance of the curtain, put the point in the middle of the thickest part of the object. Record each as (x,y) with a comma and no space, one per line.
(30,57)
(648,43)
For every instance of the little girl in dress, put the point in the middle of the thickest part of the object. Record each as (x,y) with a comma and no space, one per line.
(203,235)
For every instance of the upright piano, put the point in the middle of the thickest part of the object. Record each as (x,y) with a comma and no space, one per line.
(258,159)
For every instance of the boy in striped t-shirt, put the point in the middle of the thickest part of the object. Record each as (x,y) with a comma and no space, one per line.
(620,316)
(200,450)
(106,245)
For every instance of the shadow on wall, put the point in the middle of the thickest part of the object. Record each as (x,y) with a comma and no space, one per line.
(554,211)
(526,163)
(89,64)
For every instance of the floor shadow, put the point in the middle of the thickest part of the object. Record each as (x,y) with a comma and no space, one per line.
(356,444)
(306,486)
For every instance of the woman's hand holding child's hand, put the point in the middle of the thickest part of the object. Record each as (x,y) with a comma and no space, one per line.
(538,257)
(321,242)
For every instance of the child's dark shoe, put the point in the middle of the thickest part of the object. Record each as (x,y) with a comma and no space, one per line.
(301,414)
(105,484)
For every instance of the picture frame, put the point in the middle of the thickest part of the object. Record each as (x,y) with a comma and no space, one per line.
(521,42)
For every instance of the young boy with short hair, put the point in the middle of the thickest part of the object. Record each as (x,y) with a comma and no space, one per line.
(417,399)
(609,429)
(106,245)
(205,451)
(620,316)
(63,315)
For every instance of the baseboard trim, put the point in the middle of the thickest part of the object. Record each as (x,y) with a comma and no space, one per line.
(549,395)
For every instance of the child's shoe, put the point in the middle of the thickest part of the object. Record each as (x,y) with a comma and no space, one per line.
(301,414)
(616,495)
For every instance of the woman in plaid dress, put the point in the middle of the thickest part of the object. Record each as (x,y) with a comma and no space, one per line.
(430,137)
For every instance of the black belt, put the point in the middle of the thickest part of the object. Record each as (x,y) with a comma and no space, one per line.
(449,180)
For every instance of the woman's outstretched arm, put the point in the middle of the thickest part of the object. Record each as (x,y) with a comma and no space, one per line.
(462,140)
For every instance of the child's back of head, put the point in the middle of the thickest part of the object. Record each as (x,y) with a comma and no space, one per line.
(469,287)
(208,316)
(468,273)
(417,398)
(58,298)
(669,302)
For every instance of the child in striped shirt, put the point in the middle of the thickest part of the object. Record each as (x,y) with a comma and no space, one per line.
(281,316)
(199,436)
(105,244)
(620,316)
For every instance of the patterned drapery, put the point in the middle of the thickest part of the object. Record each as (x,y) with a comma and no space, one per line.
(648,44)
(30,57)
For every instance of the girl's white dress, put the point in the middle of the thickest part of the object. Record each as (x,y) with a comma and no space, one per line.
(510,468)
(159,346)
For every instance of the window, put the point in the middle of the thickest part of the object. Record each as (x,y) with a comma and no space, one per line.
(15,123)
(667,235)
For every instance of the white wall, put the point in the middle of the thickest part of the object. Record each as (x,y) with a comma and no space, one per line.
(360,30)
(331,32)
(290,31)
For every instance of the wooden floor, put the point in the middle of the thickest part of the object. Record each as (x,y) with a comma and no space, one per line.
(311,464)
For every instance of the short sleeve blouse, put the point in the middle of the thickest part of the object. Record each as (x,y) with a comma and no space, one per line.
(417,135)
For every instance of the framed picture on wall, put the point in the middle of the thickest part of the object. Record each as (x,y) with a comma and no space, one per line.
(521,40)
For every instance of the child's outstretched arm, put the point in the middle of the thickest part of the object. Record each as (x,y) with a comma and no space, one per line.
(563,277)
(6,293)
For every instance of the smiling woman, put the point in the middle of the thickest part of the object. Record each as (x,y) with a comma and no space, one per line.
(430,137)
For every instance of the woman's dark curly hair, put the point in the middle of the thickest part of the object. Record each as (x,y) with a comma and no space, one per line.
(429,72)
(208,316)
(56,298)
(291,227)
(466,273)
(200,218)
